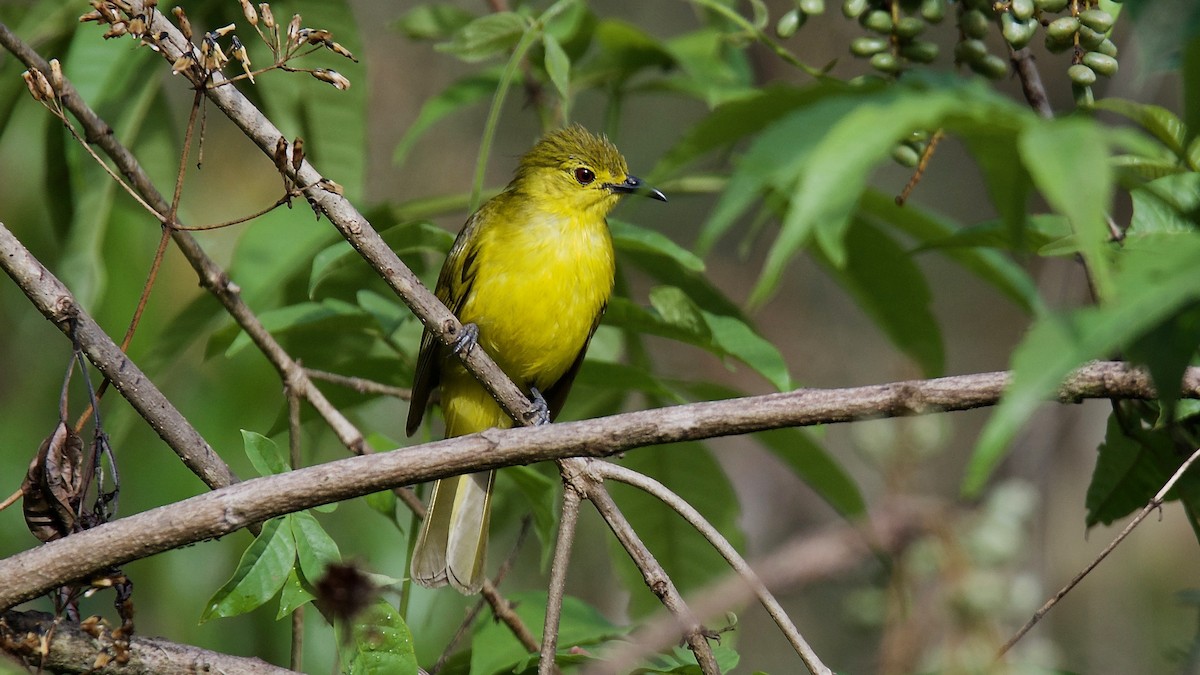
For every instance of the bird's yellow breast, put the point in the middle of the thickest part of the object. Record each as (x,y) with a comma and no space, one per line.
(540,286)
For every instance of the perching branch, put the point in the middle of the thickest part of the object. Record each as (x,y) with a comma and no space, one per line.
(33,572)
(72,650)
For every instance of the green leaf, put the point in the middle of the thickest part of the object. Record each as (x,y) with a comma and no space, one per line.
(891,289)
(676,316)
(260,573)
(435,21)
(1041,230)
(629,237)
(340,263)
(315,549)
(558,67)
(541,493)
(460,95)
(1134,463)
(692,473)
(266,457)
(1157,277)
(626,49)
(327,315)
(381,643)
(494,649)
(816,467)
(1169,204)
(1068,160)
(486,36)
(1156,120)
(682,661)
(293,595)
(1136,168)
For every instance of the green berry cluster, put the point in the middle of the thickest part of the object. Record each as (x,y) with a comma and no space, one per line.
(1084,30)
(908,152)
(896,27)
(794,18)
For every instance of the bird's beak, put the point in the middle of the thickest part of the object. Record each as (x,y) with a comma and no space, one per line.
(633,185)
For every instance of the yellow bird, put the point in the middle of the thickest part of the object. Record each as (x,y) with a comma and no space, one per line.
(529,277)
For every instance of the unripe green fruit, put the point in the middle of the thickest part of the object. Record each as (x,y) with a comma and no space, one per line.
(969,51)
(852,9)
(1016,33)
(1108,48)
(878,21)
(1083,95)
(1051,5)
(886,62)
(1057,46)
(1022,9)
(990,66)
(1097,19)
(909,27)
(974,24)
(1081,75)
(1063,29)
(868,46)
(920,51)
(933,11)
(1101,63)
(789,23)
(1090,39)
(905,155)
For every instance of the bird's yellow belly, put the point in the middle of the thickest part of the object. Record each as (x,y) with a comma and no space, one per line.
(535,306)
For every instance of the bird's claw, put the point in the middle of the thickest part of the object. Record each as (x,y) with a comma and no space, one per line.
(466,340)
(541,410)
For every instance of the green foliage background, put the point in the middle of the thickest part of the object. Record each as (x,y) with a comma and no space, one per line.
(781,261)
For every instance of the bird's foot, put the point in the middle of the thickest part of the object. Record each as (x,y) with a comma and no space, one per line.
(466,340)
(541,410)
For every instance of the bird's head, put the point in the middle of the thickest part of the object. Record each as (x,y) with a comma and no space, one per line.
(575,172)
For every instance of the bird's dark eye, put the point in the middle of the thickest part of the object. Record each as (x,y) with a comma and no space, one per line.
(584,175)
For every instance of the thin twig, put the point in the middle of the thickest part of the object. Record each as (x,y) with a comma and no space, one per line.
(296,656)
(569,517)
(1031,80)
(1154,503)
(736,561)
(922,164)
(657,580)
(359,384)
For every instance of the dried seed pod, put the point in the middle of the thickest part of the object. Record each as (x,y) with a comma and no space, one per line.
(1097,19)
(137,25)
(182,63)
(1103,64)
(331,186)
(268,18)
(224,30)
(31,83)
(1081,75)
(93,15)
(297,153)
(185,26)
(280,156)
(974,24)
(293,29)
(56,74)
(866,46)
(248,12)
(338,49)
(332,77)
(116,30)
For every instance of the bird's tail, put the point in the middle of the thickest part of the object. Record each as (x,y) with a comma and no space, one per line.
(452,544)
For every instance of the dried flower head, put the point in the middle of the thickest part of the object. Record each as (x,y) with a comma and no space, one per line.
(332,77)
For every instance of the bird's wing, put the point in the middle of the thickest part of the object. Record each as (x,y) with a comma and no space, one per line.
(556,394)
(453,288)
